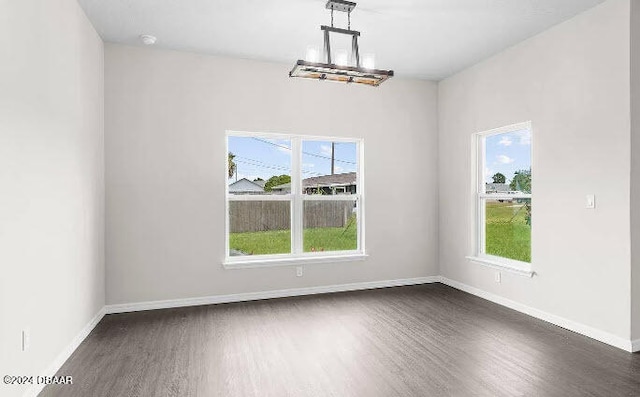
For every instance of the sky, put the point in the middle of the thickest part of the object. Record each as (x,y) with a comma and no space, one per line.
(264,158)
(507,153)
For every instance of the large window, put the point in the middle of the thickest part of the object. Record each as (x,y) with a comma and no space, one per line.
(503,197)
(293,198)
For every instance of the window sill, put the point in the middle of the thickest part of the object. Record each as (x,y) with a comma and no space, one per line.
(522,270)
(292,261)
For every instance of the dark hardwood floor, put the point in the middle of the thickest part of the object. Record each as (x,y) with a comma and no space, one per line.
(428,340)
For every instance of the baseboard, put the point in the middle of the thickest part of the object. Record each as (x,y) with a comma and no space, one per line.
(34,390)
(250,296)
(570,325)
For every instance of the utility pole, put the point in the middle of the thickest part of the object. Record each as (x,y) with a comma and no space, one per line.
(333,156)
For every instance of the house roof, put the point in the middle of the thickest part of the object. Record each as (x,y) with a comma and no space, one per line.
(283,186)
(245,185)
(345,179)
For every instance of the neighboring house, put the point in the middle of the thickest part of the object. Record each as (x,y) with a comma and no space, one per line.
(496,188)
(245,186)
(325,184)
(502,188)
(330,184)
(285,188)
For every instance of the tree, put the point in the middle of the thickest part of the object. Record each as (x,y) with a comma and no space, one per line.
(521,181)
(232,165)
(258,179)
(275,181)
(499,178)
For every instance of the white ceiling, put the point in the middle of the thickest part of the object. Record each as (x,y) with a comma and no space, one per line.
(429,39)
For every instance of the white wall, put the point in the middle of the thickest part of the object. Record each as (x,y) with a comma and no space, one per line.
(635,170)
(166,116)
(572,82)
(51,180)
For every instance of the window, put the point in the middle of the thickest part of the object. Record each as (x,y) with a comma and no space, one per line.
(293,199)
(503,198)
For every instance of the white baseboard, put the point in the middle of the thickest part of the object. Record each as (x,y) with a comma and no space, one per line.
(250,296)
(570,325)
(34,390)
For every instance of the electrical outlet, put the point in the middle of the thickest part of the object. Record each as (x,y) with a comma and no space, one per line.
(299,271)
(26,339)
(498,277)
(590,202)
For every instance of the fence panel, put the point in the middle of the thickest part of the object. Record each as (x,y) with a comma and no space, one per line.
(259,216)
(327,213)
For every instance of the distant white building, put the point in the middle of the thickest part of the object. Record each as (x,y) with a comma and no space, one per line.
(245,186)
(496,188)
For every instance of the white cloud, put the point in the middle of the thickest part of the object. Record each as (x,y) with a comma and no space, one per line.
(325,150)
(308,165)
(338,169)
(504,159)
(505,141)
(524,137)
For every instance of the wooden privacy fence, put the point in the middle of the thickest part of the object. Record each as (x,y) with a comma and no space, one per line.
(260,216)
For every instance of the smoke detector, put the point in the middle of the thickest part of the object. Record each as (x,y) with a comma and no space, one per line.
(147,39)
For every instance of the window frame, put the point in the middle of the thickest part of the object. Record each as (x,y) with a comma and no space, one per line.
(479,199)
(297,198)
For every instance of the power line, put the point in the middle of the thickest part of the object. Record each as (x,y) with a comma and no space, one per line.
(277,168)
(271,143)
(303,152)
(261,164)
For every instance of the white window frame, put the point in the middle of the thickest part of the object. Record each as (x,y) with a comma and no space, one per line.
(297,199)
(479,195)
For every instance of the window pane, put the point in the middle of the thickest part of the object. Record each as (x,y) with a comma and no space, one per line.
(330,226)
(329,168)
(259,227)
(259,166)
(508,228)
(507,163)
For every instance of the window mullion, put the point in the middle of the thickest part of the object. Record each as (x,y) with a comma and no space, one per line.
(481,225)
(297,205)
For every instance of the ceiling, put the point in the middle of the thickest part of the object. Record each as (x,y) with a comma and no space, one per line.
(429,39)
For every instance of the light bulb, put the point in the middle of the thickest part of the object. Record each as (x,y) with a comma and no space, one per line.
(368,61)
(313,55)
(342,58)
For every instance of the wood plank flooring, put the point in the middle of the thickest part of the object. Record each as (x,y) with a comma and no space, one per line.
(429,340)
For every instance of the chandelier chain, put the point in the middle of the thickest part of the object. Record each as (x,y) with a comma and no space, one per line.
(349,20)
(331,15)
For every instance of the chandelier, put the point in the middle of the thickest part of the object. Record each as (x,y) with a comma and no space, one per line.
(341,68)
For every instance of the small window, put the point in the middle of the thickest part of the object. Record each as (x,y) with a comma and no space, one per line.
(293,198)
(503,196)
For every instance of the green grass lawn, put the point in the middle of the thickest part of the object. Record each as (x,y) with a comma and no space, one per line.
(279,241)
(507,233)
(261,243)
